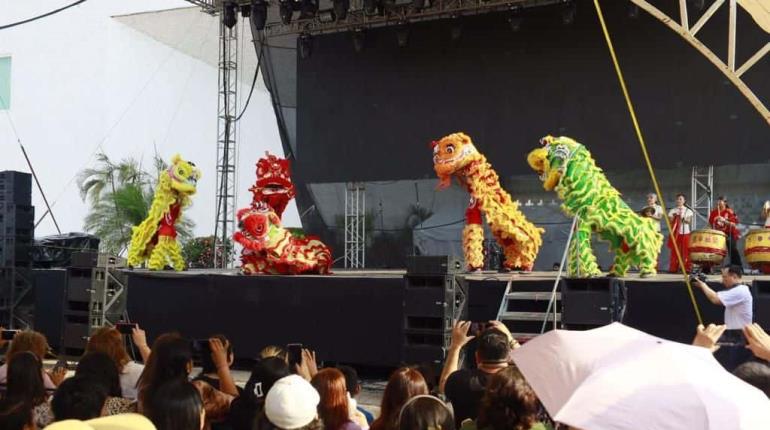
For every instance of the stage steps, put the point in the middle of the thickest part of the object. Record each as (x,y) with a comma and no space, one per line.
(523,308)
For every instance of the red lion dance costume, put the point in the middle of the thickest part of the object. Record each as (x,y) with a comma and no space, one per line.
(267,246)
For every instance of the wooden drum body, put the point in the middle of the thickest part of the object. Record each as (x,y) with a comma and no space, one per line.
(708,246)
(757,249)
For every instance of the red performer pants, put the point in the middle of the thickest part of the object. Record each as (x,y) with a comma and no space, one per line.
(683,243)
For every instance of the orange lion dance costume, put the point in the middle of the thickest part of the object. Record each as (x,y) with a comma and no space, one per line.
(455,156)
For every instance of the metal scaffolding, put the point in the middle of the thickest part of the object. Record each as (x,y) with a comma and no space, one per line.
(702,193)
(355,226)
(227,111)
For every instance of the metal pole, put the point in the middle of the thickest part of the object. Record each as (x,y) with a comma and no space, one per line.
(40,188)
(552,301)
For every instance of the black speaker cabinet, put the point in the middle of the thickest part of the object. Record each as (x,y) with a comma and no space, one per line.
(433,265)
(592,302)
(50,295)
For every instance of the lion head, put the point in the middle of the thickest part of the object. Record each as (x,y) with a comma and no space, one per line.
(183,176)
(254,225)
(550,161)
(450,154)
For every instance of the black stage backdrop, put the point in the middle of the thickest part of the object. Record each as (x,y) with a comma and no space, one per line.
(371,115)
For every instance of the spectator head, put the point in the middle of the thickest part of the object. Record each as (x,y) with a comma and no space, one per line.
(28,340)
(263,376)
(430,374)
(25,379)
(16,416)
(333,407)
(731,275)
(351,380)
(101,369)
(274,351)
(425,412)
(78,398)
(509,403)
(403,384)
(207,363)
(756,374)
(292,404)
(171,359)
(493,347)
(110,341)
(176,405)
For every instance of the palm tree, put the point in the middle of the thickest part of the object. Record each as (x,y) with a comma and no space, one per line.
(120,195)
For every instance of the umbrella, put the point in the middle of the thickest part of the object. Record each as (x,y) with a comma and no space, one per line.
(615,377)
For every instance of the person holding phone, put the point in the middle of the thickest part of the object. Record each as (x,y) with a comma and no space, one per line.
(738,303)
(109,340)
(36,343)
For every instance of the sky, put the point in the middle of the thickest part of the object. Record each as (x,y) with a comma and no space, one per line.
(82,82)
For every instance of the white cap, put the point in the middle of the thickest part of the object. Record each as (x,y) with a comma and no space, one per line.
(291,403)
(114,422)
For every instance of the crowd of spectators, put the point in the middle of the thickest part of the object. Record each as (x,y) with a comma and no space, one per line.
(161,391)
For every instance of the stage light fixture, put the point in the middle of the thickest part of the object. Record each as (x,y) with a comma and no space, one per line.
(359,39)
(230,14)
(246,11)
(308,9)
(326,16)
(341,9)
(305,46)
(402,34)
(418,5)
(515,20)
(258,13)
(568,13)
(699,4)
(370,7)
(286,10)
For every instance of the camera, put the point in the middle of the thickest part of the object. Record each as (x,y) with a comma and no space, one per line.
(698,276)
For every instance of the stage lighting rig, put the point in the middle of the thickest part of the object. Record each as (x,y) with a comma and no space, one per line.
(258,13)
(305,46)
(286,10)
(230,14)
(456,31)
(402,34)
(568,13)
(308,9)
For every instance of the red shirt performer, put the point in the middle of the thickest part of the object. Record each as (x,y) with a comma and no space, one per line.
(681,219)
(724,219)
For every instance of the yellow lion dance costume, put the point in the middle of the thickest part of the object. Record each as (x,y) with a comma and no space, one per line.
(155,237)
(455,155)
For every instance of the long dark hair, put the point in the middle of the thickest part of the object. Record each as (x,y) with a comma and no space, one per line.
(25,379)
(425,412)
(176,405)
(101,369)
(509,403)
(169,361)
(333,407)
(403,384)
(15,416)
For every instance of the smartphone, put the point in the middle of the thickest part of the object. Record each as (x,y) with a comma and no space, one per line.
(477,328)
(8,334)
(200,346)
(294,351)
(61,364)
(125,328)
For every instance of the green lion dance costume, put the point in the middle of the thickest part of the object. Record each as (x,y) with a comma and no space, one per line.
(566,166)
(155,237)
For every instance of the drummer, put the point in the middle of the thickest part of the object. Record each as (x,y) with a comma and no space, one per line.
(724,219)
(653,210)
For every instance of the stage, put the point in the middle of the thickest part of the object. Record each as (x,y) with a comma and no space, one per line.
(360,316)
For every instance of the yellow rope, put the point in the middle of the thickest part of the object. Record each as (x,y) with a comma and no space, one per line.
(646,156)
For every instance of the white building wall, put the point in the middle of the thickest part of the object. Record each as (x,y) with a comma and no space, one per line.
(83,81)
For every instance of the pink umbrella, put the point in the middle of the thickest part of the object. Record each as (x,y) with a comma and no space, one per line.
(618,378)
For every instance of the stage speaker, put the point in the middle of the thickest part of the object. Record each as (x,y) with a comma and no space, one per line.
(15,188)
(761,290)
(50,294)
(431,304)
(433,265)
(592,302)
(17,225)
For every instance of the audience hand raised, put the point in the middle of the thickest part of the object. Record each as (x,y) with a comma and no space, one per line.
(707,337)
(460,334)
(218,353)
(139,337)
(499,325)
(307,367)
(57,375)
(758,341)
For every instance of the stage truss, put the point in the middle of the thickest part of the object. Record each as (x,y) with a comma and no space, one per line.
(702,194)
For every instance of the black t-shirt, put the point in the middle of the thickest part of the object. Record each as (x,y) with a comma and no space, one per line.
(464,389)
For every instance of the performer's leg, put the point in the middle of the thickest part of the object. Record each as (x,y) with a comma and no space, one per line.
(735,256)
(158,258)
(621,263)
(175,254)
(685,249)
(582,261)
(473,238)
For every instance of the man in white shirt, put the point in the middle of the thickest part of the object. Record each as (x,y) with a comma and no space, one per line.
(681,219)
(738,303)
